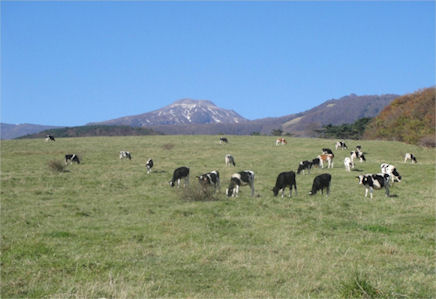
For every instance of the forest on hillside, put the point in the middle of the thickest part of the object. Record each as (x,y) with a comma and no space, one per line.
(409,118)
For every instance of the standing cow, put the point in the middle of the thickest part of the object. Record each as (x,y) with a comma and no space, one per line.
(285,179)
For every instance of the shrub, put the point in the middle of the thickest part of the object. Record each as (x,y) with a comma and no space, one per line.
(358,286)
(56,166)
(197,192)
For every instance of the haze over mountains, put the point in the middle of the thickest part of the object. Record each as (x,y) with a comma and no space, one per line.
(188,116)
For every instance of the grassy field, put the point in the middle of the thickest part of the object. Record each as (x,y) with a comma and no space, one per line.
(105,228)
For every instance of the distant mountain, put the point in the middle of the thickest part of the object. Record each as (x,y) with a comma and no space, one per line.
(191,117)
(347,109)
(409,118)
(182,112)
(94,130)
(11,131)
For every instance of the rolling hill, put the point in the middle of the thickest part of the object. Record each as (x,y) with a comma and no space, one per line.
(410,118)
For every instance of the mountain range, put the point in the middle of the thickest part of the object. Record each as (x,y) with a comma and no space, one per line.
(188,116)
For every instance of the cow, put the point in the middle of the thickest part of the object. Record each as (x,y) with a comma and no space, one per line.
(326,158)
(149,165)
(72,158)
(321,182)
(281,141)
(348,164)
(357,154)
(285,179)
(125,155)
(327,151)
(223,139)
(374,181)
(316,162)
(229,160)
(304,165)
(210,179)
(49,138)
(238,179)
(391,171)
(411,157)
(341,145)
(178,174)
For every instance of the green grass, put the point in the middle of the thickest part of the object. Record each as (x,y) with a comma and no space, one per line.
(105,228)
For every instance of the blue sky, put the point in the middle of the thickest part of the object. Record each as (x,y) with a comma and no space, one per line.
(70,63)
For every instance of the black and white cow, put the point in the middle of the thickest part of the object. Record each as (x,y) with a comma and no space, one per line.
(229,160)
(321,182)
(411,157)
(285,179)
(374,181)
(391,171)
(341,145)
(223,139)
(357,155)
(49,138)
(149,165)
(125,155)
(316,162)
(72,158)
(210,179)
(304,165)
(238,179)
(327,151)
(178,174)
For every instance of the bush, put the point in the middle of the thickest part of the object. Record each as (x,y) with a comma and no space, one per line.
(358,287)
(56,166)
(198,192)
(429,141)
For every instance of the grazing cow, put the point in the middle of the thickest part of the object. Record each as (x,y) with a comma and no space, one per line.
(320,182)
(341,145)
(149,165)
(374,181)
(285,179)
(304,165)
(49,137)
(348,164)
(238,179)
(392,171)
(357,154)
(211,178)
(411,157)
(72,158)
(316,162)
(229,160)
(281,141)
(125,155)
(223,139)
(326,158)
(327,151)
(180,173)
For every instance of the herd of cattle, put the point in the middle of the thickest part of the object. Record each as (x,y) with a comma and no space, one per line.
(389,174)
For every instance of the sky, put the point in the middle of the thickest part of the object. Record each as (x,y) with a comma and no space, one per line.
(70,63)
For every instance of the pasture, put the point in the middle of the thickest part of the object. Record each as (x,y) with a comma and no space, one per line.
(106,228)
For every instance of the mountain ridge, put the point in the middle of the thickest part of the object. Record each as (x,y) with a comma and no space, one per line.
(189,116)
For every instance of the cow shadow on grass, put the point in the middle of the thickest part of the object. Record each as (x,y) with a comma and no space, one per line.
(392,195)
(357,170)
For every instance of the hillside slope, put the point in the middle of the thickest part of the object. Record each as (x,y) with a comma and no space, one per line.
(410,118)
(11,131)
